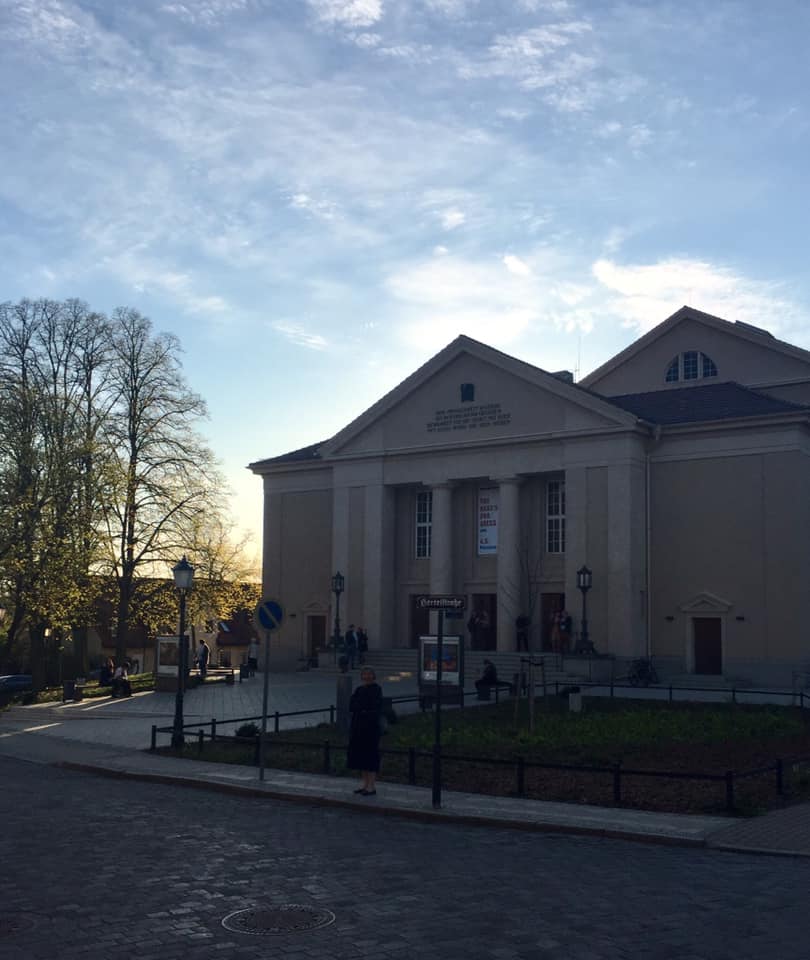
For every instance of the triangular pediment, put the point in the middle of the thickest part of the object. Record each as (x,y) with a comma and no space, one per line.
(739,352)
(706,603)
(470,393)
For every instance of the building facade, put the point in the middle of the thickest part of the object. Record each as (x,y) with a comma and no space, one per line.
(677,473)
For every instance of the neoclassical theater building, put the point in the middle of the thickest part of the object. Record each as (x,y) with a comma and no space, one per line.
(678,473)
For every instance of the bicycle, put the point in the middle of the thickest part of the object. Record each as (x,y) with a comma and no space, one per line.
(642,672)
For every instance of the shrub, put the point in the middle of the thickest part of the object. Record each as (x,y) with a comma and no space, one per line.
(248,730)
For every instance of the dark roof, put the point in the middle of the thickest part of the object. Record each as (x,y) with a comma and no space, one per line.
(716,401)
(312,452)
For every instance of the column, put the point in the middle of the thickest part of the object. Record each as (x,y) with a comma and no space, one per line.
(441,544)
(576,548)
(340,554)
(510,584)
(379,566)
(626,548)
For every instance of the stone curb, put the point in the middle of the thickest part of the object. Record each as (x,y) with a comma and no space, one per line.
(377,809)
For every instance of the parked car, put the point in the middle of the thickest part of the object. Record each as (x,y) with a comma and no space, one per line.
(14,682)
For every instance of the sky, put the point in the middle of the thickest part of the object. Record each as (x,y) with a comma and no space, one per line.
(318,195)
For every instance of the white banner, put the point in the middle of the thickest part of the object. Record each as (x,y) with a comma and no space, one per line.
(487,521)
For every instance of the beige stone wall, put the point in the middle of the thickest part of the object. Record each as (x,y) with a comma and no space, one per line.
(734,527)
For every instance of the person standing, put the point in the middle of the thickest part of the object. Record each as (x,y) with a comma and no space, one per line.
(565,632)
(363,753)
(253,657)
(203,658)
(362,645)
(351,646)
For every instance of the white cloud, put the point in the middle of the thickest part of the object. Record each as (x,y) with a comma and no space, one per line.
(324,209)
(206,12)
(452,218)
(348,13)
(644,294)
(299,335)
(516,266)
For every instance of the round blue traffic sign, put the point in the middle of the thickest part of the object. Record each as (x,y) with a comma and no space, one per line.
(270,614)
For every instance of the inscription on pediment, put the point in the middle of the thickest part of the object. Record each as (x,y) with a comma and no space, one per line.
(472,417)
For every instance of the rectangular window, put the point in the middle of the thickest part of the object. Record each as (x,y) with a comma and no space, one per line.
(424,523)
(555,516)
(690,365)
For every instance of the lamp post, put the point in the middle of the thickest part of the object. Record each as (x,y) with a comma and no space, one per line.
(338,585)
(584,583)
(183,574)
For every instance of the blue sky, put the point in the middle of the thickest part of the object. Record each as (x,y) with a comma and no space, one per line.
(317,195)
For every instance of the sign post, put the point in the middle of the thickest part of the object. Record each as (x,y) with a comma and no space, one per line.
(456,605)
(269,615)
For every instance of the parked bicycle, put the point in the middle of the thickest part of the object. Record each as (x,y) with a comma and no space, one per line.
(642,672)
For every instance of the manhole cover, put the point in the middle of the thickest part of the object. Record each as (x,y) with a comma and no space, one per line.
(288,918)
(18,924)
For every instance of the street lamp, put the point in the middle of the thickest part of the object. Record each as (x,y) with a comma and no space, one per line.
(338,584)
(183,574)
(584,583)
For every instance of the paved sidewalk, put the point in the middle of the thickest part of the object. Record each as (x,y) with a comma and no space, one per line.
(110,737)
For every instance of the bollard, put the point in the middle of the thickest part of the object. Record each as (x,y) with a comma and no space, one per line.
(275,721)
(153,745)
(213,730)
(200,740)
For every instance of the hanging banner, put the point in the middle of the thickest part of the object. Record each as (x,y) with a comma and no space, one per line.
(487,521)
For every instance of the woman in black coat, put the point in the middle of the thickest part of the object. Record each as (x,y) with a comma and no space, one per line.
(364,734)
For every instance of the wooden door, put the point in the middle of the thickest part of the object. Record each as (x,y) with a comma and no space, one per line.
(485,634)
(707,632)
(316,634)
(550,603)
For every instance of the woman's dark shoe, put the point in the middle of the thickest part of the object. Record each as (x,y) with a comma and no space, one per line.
(360,790)
(369,793)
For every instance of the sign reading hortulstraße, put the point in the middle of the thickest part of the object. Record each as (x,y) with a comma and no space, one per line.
(472,417)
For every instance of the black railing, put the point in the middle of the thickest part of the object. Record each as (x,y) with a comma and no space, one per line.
(520,764)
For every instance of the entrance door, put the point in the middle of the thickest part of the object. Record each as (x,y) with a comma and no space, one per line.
(316,634)
(483,622)
(707,632)
(550,603)
(420,622)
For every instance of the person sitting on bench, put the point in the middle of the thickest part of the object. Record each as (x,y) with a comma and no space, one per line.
(121,686)
(105,676)
(488,679)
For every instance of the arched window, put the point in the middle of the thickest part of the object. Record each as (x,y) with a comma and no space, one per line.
(690,365)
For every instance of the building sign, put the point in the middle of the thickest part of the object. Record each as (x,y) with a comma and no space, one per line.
(451,660)
(487,521)
(468,417)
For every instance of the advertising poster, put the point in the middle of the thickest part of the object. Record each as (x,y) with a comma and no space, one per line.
(487,521)
(168,656)
(451,660)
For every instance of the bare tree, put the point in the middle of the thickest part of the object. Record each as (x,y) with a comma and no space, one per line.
(162,476)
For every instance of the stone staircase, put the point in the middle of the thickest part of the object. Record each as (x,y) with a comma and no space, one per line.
(403,664)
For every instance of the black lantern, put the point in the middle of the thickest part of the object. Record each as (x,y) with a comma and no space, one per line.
(183,573)
(584,583)
(338,585)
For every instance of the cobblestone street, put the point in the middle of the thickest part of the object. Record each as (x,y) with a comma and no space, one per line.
(97,867)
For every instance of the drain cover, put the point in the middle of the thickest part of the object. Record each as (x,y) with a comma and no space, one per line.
(17,924)
(287,918)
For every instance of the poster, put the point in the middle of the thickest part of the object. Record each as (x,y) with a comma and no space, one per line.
(451,659)
(168,656)
(487,521)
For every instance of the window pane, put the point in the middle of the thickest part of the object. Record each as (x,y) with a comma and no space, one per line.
(690,365)
(709,368)
(672,371)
